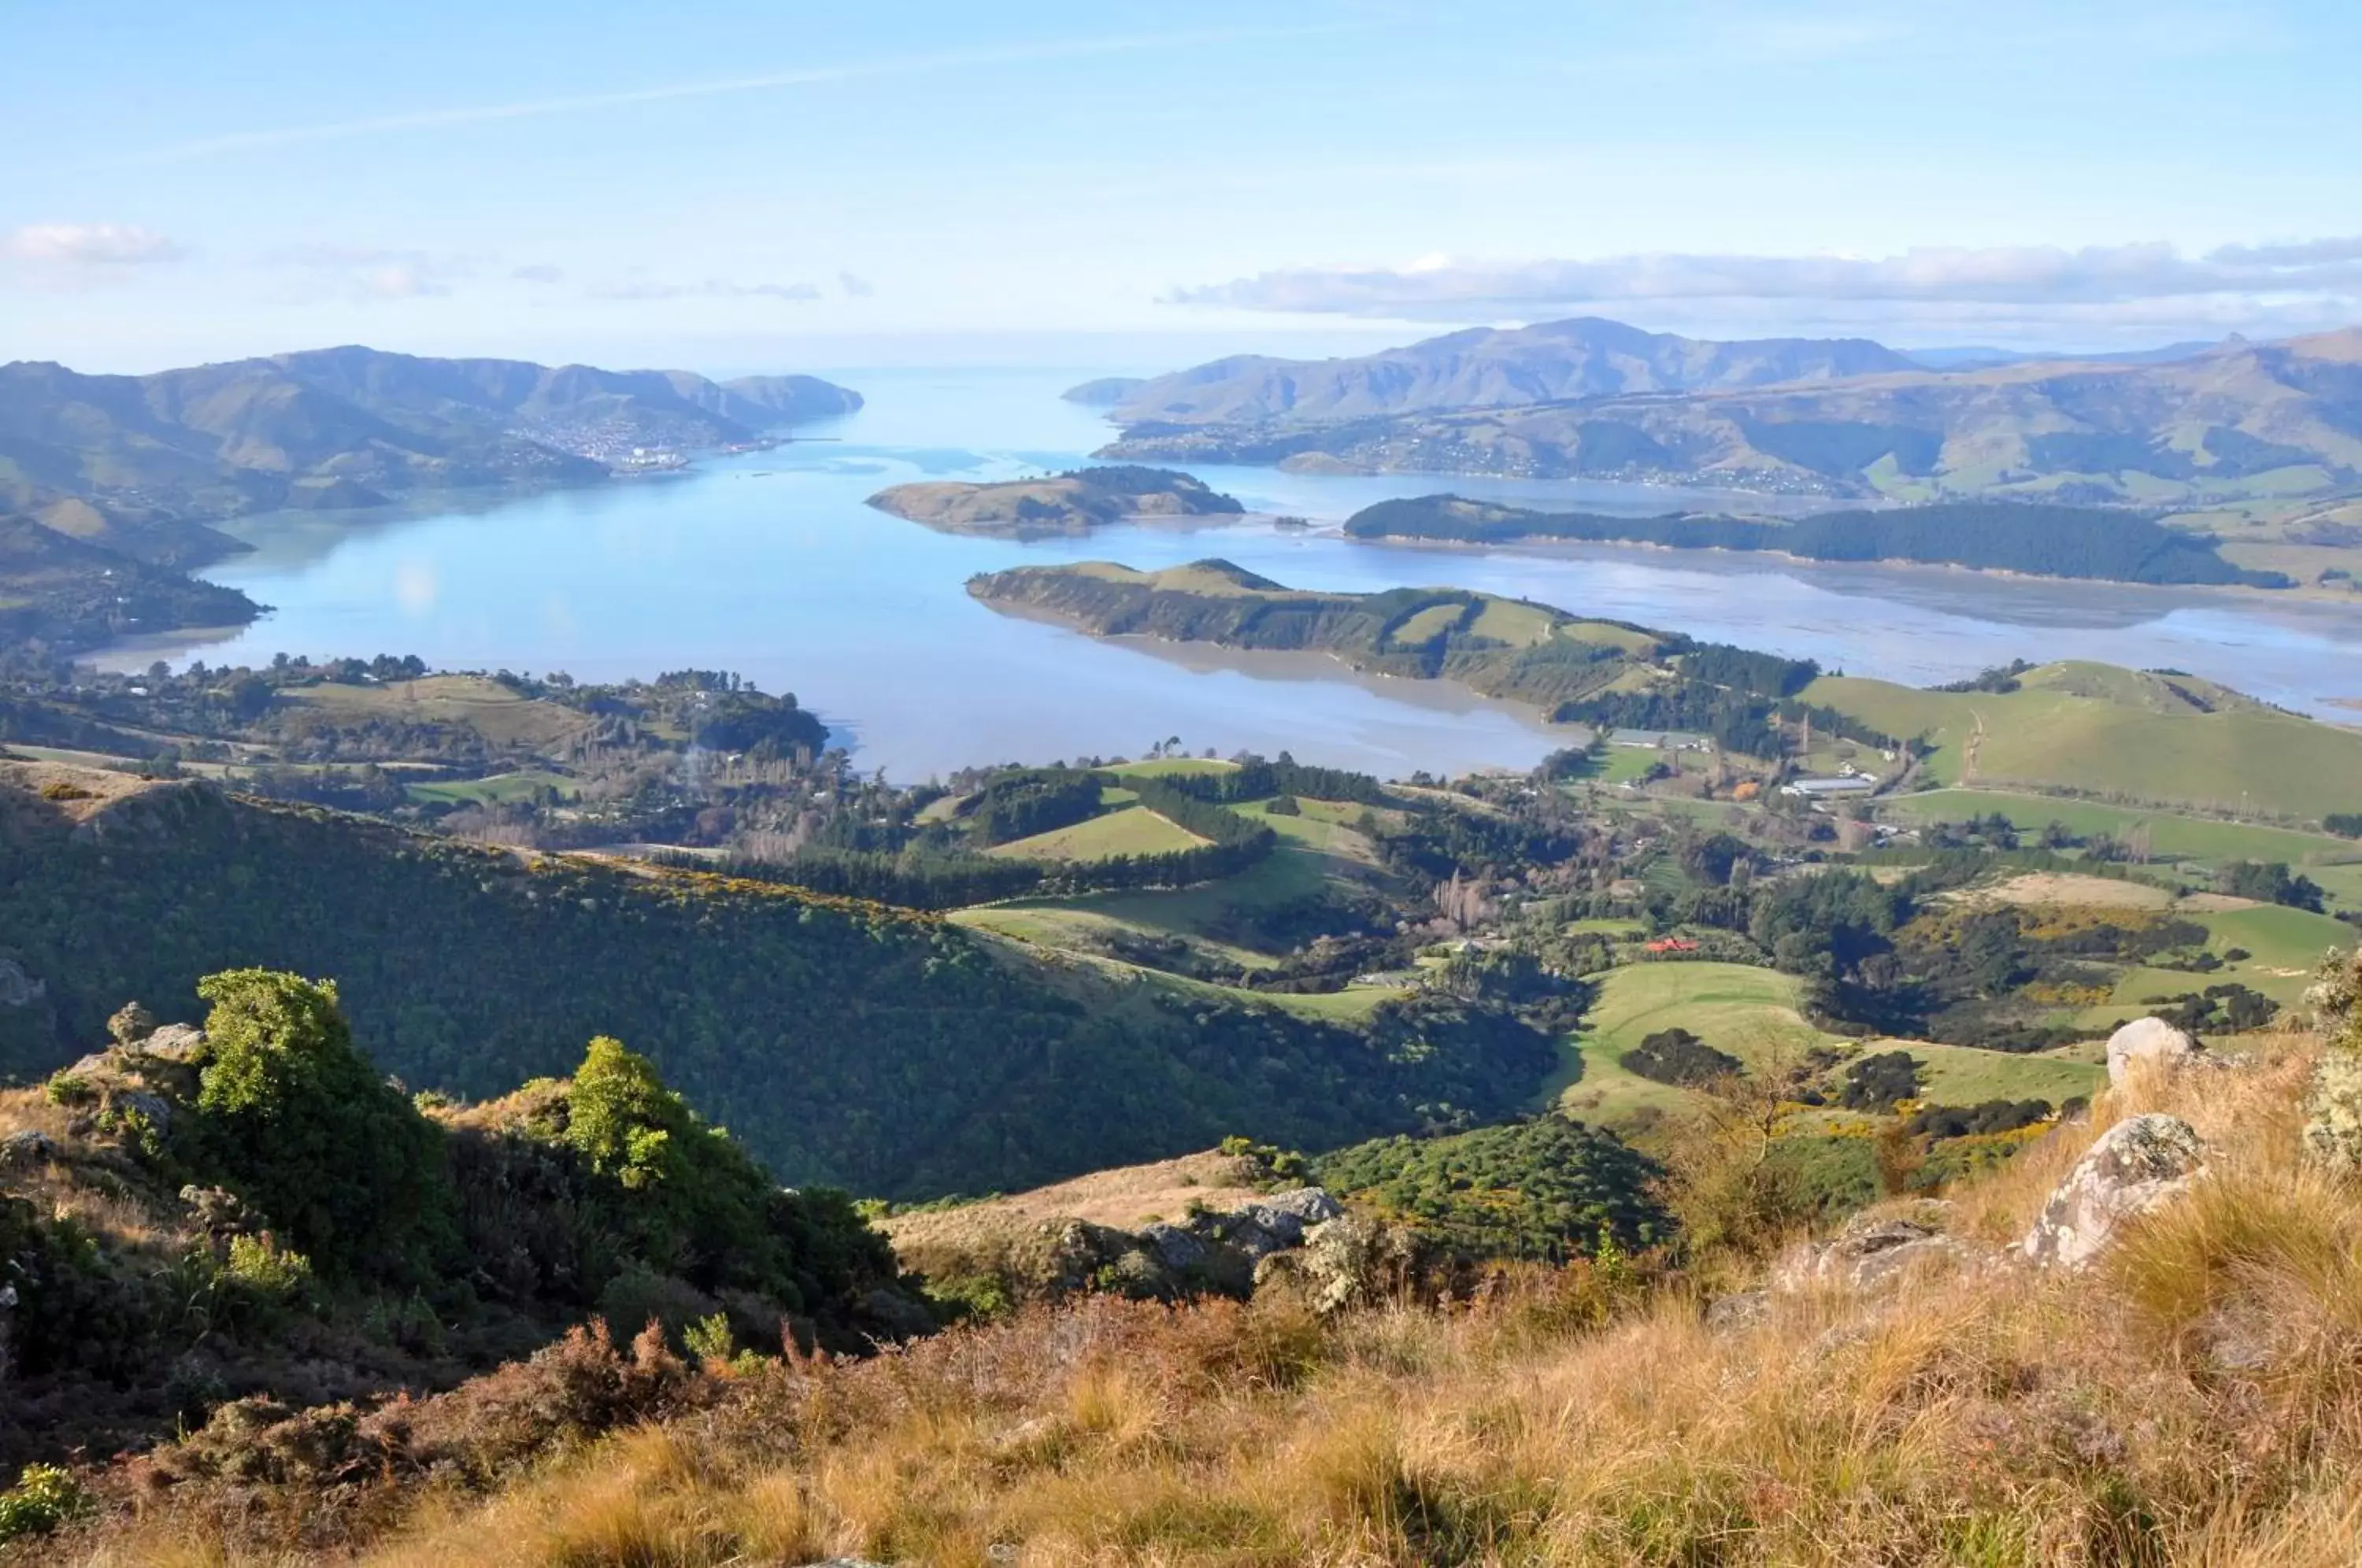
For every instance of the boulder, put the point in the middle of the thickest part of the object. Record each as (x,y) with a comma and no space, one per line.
(1175,1248)
(2147,1038)
(153,1108)
(31,1147)
(2136,1165)
(174,1041)
(1346,1262)
(1871,1252)
(1311,1205)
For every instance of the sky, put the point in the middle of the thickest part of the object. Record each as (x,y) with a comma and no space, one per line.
(778,185)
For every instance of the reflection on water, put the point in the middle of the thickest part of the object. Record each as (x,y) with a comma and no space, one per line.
(769,564)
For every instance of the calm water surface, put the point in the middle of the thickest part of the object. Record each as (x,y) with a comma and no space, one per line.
(770,565)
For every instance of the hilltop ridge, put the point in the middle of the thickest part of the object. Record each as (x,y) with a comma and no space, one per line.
(145,456)
(2240,419)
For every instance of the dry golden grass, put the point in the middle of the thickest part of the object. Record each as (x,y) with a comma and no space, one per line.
(2196,1399)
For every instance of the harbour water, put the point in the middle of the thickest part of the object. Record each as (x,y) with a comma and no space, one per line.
(769,564)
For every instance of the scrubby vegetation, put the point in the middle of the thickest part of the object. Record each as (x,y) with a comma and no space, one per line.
(2186,1399)
(924,1060)
(194,1219)
(1544,1189)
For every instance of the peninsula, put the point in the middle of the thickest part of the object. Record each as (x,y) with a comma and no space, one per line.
(1068,504)
(2097,544)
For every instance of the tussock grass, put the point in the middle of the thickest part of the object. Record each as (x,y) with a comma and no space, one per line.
(2196,1399)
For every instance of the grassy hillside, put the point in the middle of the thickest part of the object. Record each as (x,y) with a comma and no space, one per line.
(1502,647)
(2179,837)
(2188,1399)
(1752,1014)
(2141,738)
(1130,830)
(844,1042)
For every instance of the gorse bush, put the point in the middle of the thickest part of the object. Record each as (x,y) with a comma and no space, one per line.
(44,1497)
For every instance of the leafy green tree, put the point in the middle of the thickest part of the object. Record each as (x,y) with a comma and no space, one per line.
(694,1205)
(295,1118)
(621,1117)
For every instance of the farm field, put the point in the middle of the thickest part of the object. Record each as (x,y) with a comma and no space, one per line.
(1130,830)
(1963,1075)
(1168,767)
(498,789)
(2121,734)
(491,710)
(1747,1011)
(2195,838)
(1751,1013)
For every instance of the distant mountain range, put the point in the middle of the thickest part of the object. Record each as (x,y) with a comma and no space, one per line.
(1843,417)
(109,483)
(1488,368)
(139,463)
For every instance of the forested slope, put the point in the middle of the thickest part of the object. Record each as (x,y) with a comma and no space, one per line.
(845,1042)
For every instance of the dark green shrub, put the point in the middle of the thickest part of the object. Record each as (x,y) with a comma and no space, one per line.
(293,1118)
(1678,1056)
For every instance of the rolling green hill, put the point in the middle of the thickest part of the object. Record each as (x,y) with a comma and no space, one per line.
(1502,647)
(2138,737)
(842,1042)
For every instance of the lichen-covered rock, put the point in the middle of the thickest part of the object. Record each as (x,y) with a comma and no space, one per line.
(2136,1165)
(1344,1263)
(1310,1205)
(2147,1038)
(2332,1128)
(28,1148)
(1175,1248)
(1870,1253)
(174,1041)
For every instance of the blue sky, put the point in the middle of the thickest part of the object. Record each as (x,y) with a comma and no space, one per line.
(739,187)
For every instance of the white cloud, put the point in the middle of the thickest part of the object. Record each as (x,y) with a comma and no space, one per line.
(364,274)
(538,272)
(90,245)
(712,288)
(2030,276)
(854,288)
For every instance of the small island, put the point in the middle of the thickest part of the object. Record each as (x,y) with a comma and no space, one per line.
(1069,503)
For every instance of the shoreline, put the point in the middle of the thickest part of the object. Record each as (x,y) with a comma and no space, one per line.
(1543,548)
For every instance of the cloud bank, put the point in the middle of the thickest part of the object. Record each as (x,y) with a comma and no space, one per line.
(2038,277)
(362,273)
(90,245)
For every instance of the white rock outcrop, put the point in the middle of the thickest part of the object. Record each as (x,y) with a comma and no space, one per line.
(2136,1165)
(2147,1038)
